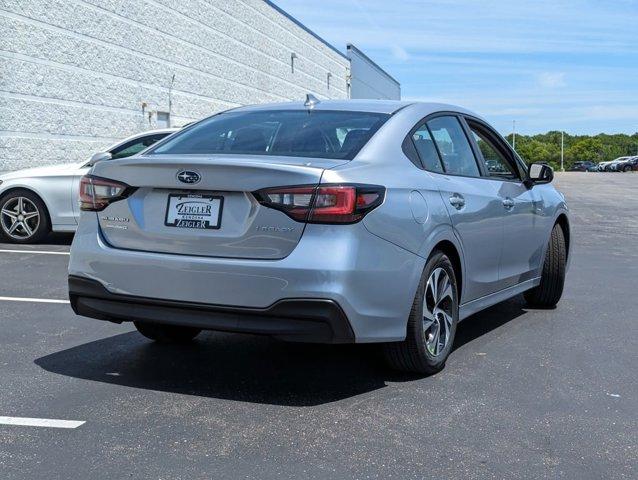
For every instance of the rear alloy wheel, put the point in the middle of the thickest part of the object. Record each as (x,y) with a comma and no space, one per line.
(432,323)
(627,168)
(23,217)
(167,333)
(549,291)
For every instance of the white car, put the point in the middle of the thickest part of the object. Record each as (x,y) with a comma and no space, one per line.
(607,166)
(38,200)
(613,166)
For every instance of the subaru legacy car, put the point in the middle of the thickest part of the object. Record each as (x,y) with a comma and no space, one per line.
(320,221)
(36,201)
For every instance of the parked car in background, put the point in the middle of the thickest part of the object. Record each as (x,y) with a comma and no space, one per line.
(607,166)
(631,163)
(602,166)
(583,166)
(38,200)
(333,222)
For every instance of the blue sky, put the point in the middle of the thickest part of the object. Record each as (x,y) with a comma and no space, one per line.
(550,65)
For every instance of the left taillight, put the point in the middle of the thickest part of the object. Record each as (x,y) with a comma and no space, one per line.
(97,193)
(333,204)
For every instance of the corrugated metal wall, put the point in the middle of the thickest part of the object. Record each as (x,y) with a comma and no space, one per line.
(76,75)
(369,80)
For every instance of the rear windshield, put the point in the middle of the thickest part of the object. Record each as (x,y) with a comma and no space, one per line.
(296,133)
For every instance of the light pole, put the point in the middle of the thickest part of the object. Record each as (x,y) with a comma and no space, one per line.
(562,149)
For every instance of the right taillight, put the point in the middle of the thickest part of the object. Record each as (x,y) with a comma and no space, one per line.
(97,193)
(339,203)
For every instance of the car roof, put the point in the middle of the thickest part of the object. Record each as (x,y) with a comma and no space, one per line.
(142,134)
(359,105)
(151,132)
(375,106)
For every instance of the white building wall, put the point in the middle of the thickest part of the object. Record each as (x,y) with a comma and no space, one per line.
(369,80)
(77,75)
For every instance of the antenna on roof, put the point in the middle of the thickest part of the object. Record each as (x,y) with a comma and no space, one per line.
(311,101)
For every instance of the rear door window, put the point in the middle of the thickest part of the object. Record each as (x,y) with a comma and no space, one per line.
(454,147)
(424,144)
(298,133)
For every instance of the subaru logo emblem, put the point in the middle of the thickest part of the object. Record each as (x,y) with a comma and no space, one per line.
(188,176)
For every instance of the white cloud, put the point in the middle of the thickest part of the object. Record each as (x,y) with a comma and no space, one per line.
(551,79)
(400,53)
(548,64)
(549,26)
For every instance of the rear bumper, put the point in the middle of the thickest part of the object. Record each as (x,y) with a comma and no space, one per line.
(302,320)
(371,280)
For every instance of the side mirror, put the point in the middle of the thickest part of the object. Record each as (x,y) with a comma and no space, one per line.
(540,173)
(99,156)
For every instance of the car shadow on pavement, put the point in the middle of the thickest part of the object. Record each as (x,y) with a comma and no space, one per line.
(249,368)
(489,319)
(58,238)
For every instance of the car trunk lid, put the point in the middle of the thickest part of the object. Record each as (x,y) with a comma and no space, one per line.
(203,205)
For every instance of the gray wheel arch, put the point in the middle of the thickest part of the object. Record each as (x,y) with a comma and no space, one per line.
(443,239)
(562,220)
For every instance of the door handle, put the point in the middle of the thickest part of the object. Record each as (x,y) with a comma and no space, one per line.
(508,203)
(457,201)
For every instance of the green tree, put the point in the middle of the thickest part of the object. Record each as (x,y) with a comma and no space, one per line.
(532,150)
(589,148)
(545,147)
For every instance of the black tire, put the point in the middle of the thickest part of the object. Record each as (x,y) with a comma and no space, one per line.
(40,229)
(627,169)
(412,355)
(167,333)
(548,293)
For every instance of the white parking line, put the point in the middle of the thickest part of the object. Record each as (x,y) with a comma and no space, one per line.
(35,300)
(41,252)
(40,422)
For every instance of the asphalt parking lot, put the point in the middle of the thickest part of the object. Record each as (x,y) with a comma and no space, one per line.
(525,394)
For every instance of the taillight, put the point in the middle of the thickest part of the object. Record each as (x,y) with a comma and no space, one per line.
(97,193)
(324,203)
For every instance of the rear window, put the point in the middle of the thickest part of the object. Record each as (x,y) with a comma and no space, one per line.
(296,133)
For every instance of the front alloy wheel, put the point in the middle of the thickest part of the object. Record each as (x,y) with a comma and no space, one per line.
(22,217)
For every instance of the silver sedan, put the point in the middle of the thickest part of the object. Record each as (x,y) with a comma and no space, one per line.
(333,221)
(35,201)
